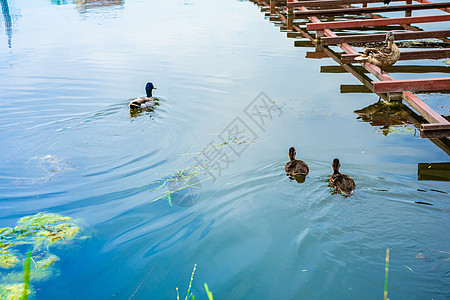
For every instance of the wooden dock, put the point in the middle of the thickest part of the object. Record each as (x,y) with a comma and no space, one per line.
(325,24)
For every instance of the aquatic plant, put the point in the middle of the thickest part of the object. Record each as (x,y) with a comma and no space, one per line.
(189,294)
(386,271)
(37,233)
(26,277)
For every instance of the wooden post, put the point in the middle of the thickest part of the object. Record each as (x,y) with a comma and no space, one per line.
(290,17)
(408,13)
(272,7)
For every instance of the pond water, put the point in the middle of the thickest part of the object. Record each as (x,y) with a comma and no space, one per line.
(200,180)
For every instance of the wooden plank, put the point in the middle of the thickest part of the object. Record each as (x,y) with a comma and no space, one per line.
(364,10)
(323,3)
(398,36)
(423,109)
(393,69)
(407,55)
(377,22)
(316,55)
(434,126)
(429,84)
(433,134)
(354,88)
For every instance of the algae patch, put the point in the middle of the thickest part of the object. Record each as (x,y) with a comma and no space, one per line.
(37,233)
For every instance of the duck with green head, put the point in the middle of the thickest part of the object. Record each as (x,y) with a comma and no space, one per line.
(144,102)
(340,182)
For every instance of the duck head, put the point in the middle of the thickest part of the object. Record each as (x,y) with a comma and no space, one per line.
(292,153)
(335,165)
(389,38)
(148,89)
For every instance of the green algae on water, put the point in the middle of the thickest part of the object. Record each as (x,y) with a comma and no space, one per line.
(36,234)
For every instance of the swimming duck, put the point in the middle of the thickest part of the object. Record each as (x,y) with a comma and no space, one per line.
(341,182)
(296,167)
(384,56)
(144,102)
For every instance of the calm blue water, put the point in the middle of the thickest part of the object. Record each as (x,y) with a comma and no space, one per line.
(69,146)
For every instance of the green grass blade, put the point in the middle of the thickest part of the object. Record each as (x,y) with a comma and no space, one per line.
(26,277)
(190,283)
(386,270)
(210,295)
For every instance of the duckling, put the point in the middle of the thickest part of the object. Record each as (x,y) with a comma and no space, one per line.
(296,167)
(383,56)
(144,102)
(341,182)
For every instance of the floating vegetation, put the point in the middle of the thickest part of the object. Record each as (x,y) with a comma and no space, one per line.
(183,188)
(35,234)
(48,166)
(190,295)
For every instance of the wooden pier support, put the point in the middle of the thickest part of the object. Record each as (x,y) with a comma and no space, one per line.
(398,36)
(419,85)
(376,22)
(406,55)
(365,10)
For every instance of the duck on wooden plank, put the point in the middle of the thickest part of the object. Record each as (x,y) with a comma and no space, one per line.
(384,56)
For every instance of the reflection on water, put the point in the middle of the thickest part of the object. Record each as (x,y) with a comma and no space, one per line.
(8,20)
(83,5)
(434,171)
(69,146)
(385,114)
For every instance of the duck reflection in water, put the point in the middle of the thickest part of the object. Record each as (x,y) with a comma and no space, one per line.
(295,168)
(385,114)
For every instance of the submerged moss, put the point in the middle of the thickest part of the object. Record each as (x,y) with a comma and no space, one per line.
(12,291)
(39,232)
(45,263)
(7,260)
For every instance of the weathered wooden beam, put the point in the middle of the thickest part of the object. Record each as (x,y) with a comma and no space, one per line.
(323,3)
(354,88)
(377,22)
(433,134)
(429,84)
(434,126)
(371,38)
(365,10)
(316,55)
(393,69)
(423,109)
(407,55)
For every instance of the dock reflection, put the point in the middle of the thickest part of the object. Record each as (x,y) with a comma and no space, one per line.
(84,5)
(8,20)
(385,115)
(434,171)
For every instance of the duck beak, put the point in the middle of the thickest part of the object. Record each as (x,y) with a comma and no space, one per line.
(154,88)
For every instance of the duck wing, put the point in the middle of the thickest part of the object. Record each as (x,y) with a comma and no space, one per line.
(297,167)
(344,184)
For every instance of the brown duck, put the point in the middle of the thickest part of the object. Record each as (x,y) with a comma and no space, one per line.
(294,166)
(382,57)
(340,182)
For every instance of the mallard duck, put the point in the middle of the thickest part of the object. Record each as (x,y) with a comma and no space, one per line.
(341,182)
(384,56)
(296,167)
(144,102)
